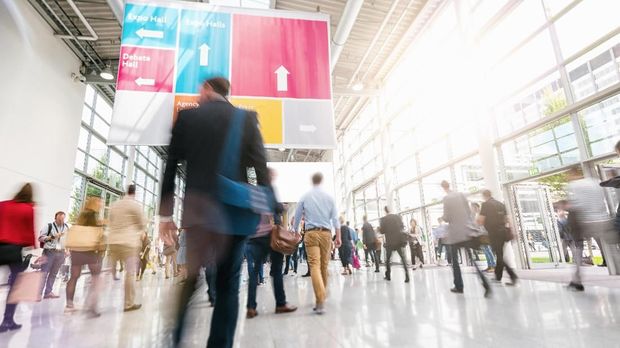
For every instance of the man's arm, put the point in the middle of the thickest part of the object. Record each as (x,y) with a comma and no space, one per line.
(175,155)
(334,218)
(482,215)
(298,211)
(255,150)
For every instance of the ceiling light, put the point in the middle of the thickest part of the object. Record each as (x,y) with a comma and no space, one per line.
(106,74)
(358,86)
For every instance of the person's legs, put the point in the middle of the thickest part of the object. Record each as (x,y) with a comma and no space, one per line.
(255,253)
(288,262)
(131,264)
(76,271)
(565,248)
(325,245)
(498,248)
(577,257)
(226,310)
(483,278)
(55,259)
(412,252)
(375,259)
(403,259)
(388,261)
(295,260)
(420,254)
(9,308)
(93,290)
(314,265)
(276,275)
(210,273)
(488,254)
(456,268)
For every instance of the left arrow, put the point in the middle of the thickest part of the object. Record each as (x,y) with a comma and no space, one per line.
(145,82)
(151,34)
(204,55)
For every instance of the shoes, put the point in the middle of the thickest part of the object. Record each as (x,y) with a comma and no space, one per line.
(487,292)
(376,271)
(51,295)
(513,282)
(306,275)
(407,280)
(456,291)
(91,313)
(132,308)
(117,278)
(4,327)
(490,270)
(251,313)
(575,286)
(421,266)
(319,309)
(285,309)
(387,278)
(70,309)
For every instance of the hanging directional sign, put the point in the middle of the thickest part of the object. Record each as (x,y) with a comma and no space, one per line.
(277,62)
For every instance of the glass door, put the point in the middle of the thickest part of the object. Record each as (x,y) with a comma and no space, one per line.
(107,197)
(536,224)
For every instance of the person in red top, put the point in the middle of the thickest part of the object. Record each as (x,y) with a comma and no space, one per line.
(16,231)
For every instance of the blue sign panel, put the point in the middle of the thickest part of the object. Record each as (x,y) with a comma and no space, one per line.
(204,49)
(150,26)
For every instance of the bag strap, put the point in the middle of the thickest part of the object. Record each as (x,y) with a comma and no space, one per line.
(229,160)
(49,229)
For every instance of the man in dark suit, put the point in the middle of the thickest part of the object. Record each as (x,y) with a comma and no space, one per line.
(370,244)
(198,138)
(391,225)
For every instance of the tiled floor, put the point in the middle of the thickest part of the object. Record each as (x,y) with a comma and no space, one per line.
(362,311)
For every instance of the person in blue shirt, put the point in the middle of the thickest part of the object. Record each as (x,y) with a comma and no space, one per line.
(320,217)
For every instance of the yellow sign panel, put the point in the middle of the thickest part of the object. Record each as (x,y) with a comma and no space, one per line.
(269,117)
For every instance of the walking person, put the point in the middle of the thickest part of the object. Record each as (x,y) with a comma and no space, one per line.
(200,138)
(16,232)
(320,216)
(415,244)
(457,214)
(50,237)
(181,256)
(391,225)
(85,244)
(126,227)
(145,256)
(294,259)
(486,249)
(369,238)
(345,252)
(564,229)
(494,218)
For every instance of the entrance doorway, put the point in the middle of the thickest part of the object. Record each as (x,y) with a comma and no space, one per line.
(107,196)
(536,223)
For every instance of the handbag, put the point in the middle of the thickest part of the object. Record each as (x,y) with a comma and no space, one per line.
(27,288)
(283,240)
(356,262)
(84,238)
(243,203)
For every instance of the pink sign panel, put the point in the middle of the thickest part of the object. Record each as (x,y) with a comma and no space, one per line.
(280,57)
(145,69)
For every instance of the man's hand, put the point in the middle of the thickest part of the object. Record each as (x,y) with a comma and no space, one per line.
(337,242)
(166,232)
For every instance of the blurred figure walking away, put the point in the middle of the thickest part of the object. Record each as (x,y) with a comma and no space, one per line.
(415,243)
(345,252)
(16,232)
(370,244)
(486,249)
(493,217)
(199,139)
(587,217)
(457,214)
(391,225)
(563,228)
(53,250)
(126,227)
(145,256)
(320,216)
(85,243)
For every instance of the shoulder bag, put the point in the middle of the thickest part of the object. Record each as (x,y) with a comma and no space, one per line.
(283,240)
(84,238)
(242,202)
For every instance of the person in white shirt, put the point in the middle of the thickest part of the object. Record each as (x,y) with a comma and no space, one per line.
(51,239)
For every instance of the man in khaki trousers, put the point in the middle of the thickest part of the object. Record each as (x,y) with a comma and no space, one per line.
(320,216)
(126,226)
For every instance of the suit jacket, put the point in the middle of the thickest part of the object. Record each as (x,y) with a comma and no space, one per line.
(198,138)
(457,214)
(392,226)
(127,223)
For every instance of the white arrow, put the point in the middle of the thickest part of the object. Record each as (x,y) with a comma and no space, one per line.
(282,75)
(307,128)
(152,34)
(145,82)
(204,55)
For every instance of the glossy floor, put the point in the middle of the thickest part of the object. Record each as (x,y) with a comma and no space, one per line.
(363,310)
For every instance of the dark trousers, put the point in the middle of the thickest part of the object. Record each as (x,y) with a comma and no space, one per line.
(388,261)
(295,258)
(416,251)
(210,277)
(258,249)
(373,256)
(55,259)
(456,268)
(9,309)
(566,246)
(498,249)
(227,253)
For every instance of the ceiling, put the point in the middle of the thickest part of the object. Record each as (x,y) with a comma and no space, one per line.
(382,32)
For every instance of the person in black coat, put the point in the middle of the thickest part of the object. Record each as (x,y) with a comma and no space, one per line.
(198,138)
(345,252)
(391,225)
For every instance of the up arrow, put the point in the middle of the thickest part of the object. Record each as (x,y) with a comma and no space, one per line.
(145,82)
(204,55)
(152,34)
(282,76)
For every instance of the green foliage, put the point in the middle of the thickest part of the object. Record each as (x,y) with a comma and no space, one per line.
(553,102)
(556,184)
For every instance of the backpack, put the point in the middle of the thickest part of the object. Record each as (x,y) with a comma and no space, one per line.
(49,230)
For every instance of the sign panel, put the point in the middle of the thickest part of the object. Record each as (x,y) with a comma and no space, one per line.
(277,62)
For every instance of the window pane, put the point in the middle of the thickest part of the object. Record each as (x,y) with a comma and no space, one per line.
(431,186)
(103,109)
(434,156)
(83,139)
(469,175)
(87,114)
(601,124)
(406,170)
(89,98)
(80,160)
(601,17)
(116,161)
(101,127)
(409,196)
(98,149)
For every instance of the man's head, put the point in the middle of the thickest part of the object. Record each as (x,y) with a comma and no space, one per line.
(317,179)
(486,194)
(59,218)
(386,209)
(131,190)
(561,208)
(348,223)
(214,89)
(365,218)
(445,186)
(413,223)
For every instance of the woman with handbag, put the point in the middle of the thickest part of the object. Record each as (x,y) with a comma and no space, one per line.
(16,232)
(345,252)
(85,242)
